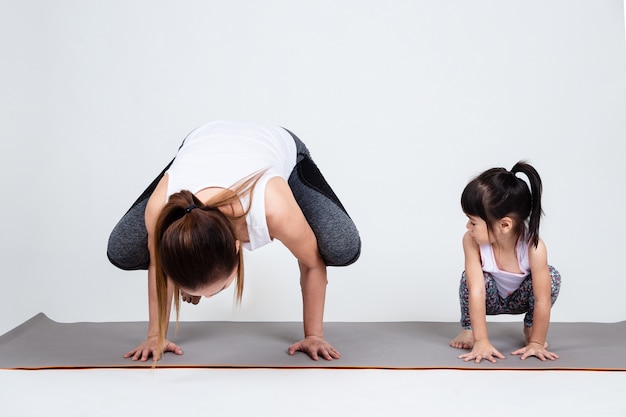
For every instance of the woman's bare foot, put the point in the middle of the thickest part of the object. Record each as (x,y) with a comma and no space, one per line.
(464,340)
(527,332)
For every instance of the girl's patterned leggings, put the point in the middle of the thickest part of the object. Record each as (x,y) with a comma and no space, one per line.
(520,301)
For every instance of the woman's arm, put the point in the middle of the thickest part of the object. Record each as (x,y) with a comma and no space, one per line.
(287,224)
(150,346)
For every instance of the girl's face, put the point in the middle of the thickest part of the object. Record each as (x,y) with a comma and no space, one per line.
(477,229)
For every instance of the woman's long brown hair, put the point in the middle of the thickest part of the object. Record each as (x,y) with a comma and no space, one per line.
(195,245)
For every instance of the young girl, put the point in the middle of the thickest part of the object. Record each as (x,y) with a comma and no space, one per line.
(233,185)
(506,264)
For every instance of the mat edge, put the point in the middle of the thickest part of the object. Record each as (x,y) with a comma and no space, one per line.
(16,331)
(390,368)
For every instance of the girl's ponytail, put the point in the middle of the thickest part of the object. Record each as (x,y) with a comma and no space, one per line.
(535,199)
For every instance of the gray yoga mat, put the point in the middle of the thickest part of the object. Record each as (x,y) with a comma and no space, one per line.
(41,343)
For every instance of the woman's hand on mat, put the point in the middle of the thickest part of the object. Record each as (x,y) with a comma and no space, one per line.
(315,346)
(482,350)
(537,350)
(150,348)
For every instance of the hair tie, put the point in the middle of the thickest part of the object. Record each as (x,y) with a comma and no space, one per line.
(191,207)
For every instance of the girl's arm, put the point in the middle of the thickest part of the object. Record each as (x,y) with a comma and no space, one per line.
(287,224)
(482,349)
(542,292)
(150,346)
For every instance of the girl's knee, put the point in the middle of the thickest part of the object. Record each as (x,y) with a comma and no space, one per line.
(555,277)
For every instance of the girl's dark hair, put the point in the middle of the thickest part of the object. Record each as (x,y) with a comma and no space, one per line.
(497,193)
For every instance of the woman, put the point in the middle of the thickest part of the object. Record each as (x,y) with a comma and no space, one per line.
(233,185)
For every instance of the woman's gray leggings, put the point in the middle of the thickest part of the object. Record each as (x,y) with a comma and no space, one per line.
(337,237)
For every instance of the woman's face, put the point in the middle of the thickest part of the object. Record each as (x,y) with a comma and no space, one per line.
(214,288)
(218,286)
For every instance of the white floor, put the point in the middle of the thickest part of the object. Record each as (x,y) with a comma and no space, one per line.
(276,393)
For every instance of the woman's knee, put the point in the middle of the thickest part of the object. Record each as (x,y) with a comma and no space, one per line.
(127,255)
(128,243)
(343,254)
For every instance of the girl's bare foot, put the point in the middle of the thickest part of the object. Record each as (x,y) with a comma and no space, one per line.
(464,340)
(527,332)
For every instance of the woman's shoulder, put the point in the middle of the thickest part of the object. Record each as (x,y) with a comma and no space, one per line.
(281,208)
(278,196)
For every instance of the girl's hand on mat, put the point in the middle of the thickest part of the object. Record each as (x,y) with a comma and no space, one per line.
(482,350)
(315,346)
(537,350)
(150,348)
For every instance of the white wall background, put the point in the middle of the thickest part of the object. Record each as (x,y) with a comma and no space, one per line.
(401,103)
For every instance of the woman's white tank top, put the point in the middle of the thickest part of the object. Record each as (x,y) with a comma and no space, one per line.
(219,154)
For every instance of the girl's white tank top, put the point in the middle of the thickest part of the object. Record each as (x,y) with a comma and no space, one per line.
(506,282)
